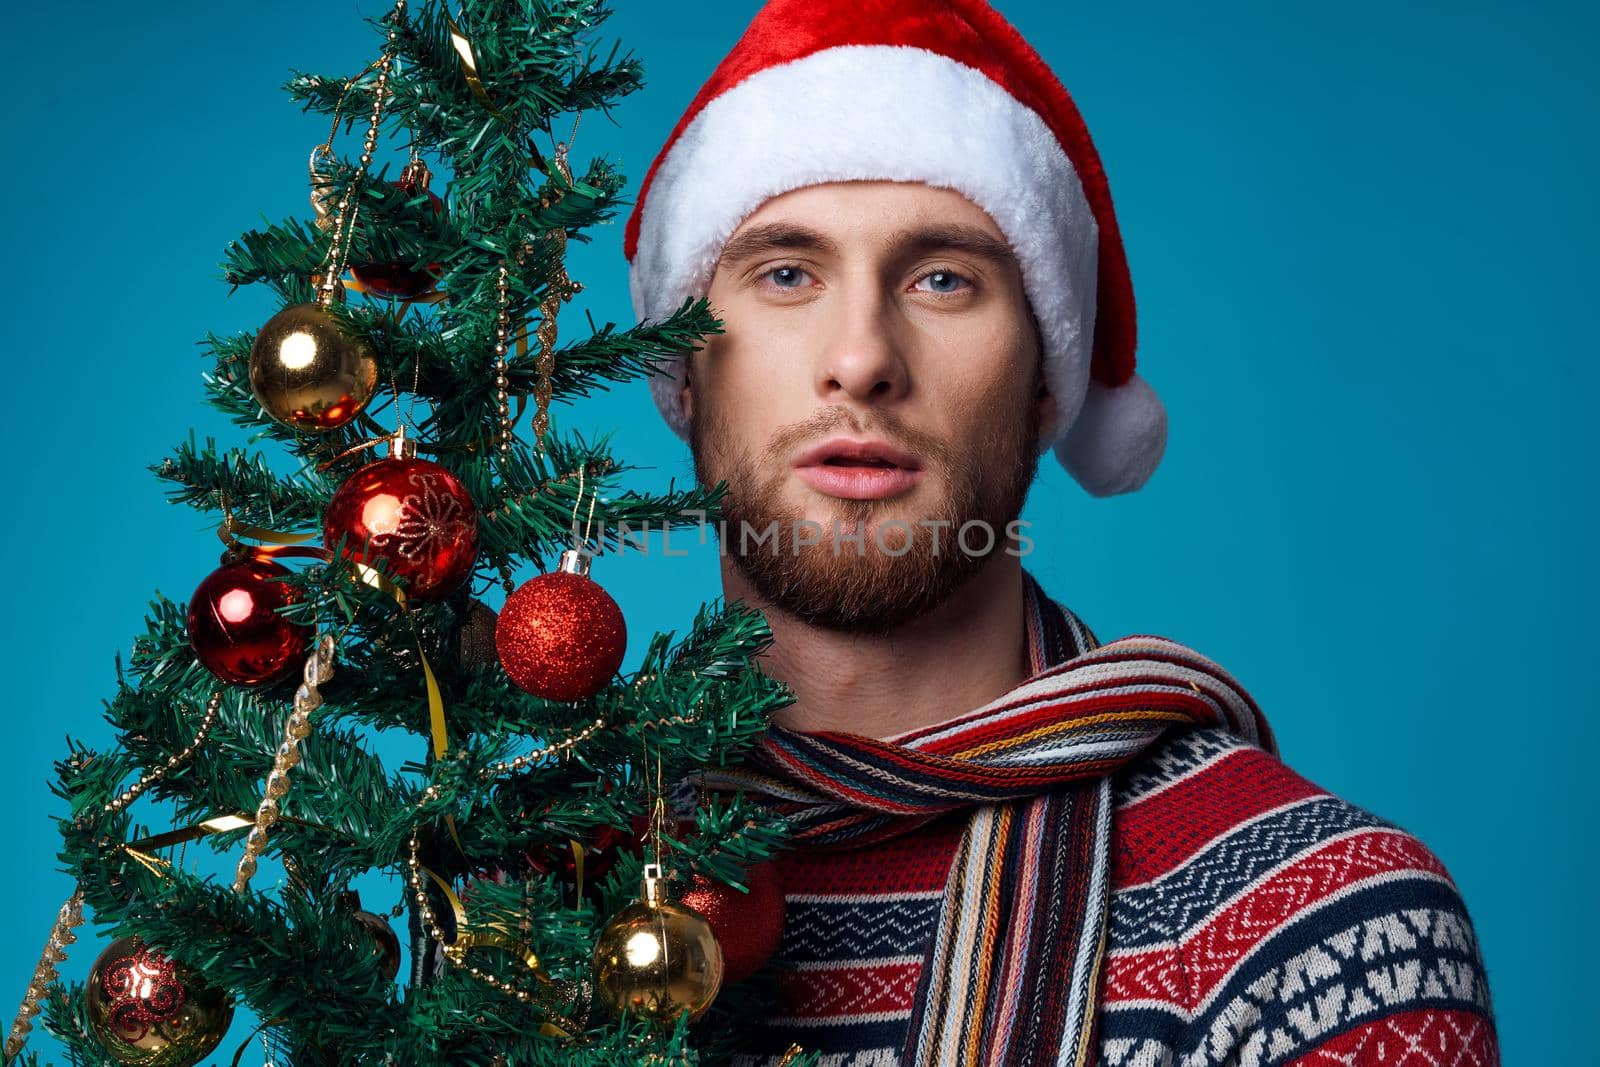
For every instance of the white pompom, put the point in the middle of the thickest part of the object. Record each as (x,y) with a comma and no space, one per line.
(1117,439)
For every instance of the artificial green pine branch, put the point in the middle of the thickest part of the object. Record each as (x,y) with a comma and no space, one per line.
(633,354)
(695,702)
(290,958)
(535,62)
(63,1017)
(203,477)
(468,240)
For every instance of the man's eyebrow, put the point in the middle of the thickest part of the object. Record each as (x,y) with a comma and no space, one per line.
(957,238)
(773,237)
(788,236)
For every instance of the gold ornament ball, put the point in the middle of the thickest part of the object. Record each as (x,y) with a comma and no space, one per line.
(657,961)
(148,1011)
(309,372)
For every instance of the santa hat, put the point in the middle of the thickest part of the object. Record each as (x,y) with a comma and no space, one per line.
(942,92)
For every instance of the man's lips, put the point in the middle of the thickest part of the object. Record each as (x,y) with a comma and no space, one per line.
(858,469)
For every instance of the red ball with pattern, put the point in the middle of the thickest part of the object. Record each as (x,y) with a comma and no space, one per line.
(561,636)
(414,518)
(235,625)
(748,926)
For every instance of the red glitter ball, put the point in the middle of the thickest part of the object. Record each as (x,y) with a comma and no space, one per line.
(413,516)
(234,626)
(748,926)
(561,636)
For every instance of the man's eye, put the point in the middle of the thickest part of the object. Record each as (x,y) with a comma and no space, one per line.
(942,281)
(787,277)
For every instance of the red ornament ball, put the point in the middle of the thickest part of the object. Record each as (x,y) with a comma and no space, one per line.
(600,847)
(414,517)
(561,636)
(235,627)
(401,280)
(748,926)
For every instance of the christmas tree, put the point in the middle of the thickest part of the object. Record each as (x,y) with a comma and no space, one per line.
(561,880)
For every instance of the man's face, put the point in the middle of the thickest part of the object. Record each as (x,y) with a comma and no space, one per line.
(881,312)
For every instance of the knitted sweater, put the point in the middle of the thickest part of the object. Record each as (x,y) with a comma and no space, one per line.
(1255,919)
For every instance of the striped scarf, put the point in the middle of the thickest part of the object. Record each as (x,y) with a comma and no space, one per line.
(1011,975)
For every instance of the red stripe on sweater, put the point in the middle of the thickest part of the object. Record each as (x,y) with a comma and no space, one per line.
(912,863)
(835,993)
(1210,954)
(1425,1038)
(1139,976)
(1158,833)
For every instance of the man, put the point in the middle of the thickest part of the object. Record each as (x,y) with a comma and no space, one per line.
(1013,844)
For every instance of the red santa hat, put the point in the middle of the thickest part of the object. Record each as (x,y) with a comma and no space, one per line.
(943,92)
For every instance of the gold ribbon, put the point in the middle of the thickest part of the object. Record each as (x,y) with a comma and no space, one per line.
(438,730)
(469,66)
(494,935)
(436,723)
(277,544)
(491,935)
(436,726)
(143,849)
(577,864)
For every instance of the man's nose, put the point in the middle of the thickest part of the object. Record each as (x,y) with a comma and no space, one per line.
(864,355)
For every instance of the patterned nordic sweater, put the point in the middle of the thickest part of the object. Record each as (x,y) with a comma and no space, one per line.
(1255,919)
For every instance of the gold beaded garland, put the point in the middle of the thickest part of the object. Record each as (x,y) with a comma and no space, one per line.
(176,760)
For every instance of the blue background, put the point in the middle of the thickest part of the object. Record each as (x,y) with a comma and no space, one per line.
(1362,239)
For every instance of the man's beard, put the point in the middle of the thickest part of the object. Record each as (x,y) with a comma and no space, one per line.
(861,588)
